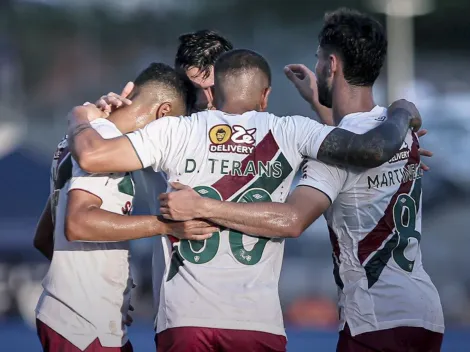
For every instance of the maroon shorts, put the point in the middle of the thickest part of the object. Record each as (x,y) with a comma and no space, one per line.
(197,339)
(400,339)
(51,341)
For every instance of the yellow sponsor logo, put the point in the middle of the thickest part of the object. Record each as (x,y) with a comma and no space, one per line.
(220,134)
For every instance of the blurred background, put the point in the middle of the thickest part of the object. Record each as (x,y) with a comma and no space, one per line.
(56,54)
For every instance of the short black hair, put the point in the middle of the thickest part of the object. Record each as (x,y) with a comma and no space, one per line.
(200,49)
(359,40)
(173,81)
(239,60)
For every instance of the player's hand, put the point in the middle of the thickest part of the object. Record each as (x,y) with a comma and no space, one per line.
(424,152)
(180,205)
(195,230)
(90,111)
(304,80)
(415,119)
(112,101)
(306,83)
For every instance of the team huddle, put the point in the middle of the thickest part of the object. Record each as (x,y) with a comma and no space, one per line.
(215,169)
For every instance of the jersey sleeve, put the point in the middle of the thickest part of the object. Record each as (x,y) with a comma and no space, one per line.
(100,185)
(309,134)
(326,178)
(106,128)
(91,183)
(154,143)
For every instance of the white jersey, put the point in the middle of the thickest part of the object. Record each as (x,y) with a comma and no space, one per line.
(229,281)
(375,230)
(87,288)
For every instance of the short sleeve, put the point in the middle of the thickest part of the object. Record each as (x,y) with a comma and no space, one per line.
(152,143)
(97,184)
(106,128)
(326,178)
(309,134)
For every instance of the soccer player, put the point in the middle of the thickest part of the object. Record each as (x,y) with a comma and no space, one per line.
(222,293)
(87,288)
(196,56)
(387,301)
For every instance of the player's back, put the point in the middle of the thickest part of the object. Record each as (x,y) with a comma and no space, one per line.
(375,230)
(230,280)
(87,284)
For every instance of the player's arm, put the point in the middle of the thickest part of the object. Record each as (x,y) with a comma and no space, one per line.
(93,153)
(284,220)
(140,149)
(319,187)
(44,236)
(86,221)
(373,148)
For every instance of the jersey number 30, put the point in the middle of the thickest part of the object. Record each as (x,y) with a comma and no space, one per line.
(200,252)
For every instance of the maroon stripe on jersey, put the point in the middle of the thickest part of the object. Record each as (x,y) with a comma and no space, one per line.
(228,185)
(264,151)
(385,226)
(173,239)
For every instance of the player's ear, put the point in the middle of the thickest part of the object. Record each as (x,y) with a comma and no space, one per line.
(163,110)
(264,99)
(211,101)
(332,65)
(209,97)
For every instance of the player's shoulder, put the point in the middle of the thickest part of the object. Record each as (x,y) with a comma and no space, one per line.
(61,166)
(176,120)
(62,146)
(294,123)
(61,153)
(364,121)
(294,119)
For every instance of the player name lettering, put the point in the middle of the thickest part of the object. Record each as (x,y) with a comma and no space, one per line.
(394,177)
(237,168)
(231,148)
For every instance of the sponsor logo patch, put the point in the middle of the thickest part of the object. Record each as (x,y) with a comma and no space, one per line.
(236,139)
(403,154)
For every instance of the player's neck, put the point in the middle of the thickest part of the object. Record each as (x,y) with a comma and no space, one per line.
(236,107)
(124,125)
(350,99)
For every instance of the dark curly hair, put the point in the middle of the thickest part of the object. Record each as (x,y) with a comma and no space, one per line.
(360,42)
(200,49)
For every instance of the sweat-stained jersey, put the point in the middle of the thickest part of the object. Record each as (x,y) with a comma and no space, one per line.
(88,285)
(229,281)
(375,230)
